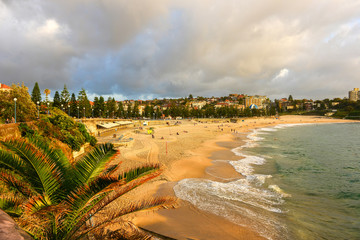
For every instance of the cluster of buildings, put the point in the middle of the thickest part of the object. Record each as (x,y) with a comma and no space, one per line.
(286,105)
(238,101)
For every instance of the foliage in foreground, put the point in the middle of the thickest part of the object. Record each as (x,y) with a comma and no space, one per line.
(53,198)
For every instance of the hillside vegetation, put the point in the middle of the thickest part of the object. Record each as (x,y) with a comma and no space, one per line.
(58,126)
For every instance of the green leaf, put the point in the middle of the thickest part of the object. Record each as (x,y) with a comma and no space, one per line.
(41,172)
(93,164)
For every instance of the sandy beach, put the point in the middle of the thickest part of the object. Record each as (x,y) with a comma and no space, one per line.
(193,149)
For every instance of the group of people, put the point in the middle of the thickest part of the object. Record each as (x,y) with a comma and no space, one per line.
(10,121)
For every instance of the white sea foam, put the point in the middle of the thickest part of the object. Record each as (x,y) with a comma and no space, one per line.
(268,129)
(292,125)
(242,201)
(244,166)
(239,201)
(201,191)
(258,179)
(277,189)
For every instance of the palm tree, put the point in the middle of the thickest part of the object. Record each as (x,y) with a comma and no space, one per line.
(53,198)
(47,93)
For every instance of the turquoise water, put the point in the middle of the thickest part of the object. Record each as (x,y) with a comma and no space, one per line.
(301,182)
(319,167)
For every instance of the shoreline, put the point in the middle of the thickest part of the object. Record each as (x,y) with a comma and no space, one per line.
(203,160)
(189,222)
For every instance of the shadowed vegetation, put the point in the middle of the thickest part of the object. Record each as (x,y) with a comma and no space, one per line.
(58,126)
(51,197)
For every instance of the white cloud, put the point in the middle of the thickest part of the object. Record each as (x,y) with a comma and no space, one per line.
(50,27)
(282,74)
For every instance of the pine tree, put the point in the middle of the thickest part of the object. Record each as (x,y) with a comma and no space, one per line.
(57,101)
(84,104)
(147,111)
(158,113)
(73,106)
(135,112)
(120,111)
(96,107)
(102,107)
(65,96)
(36,94)
(128,113)
(111,107)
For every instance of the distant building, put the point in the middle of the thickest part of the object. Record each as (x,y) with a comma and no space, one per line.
(259,101)
(4,88)
(198,104)
(354,95)
(239,106)
(141,109)
(222,104)
(308,106)
(290,107)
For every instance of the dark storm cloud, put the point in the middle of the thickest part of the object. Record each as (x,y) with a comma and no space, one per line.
(146,49)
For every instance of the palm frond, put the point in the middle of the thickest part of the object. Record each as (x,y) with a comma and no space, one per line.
(58,197)
(37,204)
(12,162)
(11,205)
(42,173)
(111,169)
(120,190)
(56,155)
(149,204)
(15,183)
(82,201)
(93,164)
(33,225)
(83,196)
(132,174)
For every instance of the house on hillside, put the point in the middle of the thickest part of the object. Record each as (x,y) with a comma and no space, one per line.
(198,104)
(4,88)
(222,104)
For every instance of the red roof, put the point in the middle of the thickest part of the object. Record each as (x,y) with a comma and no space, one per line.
(3,86)
(223,103)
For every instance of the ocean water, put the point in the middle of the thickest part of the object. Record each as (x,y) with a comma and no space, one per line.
(302,181)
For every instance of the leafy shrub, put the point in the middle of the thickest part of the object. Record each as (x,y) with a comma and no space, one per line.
(65,129)
(25,130)
(88,138)
(93,141)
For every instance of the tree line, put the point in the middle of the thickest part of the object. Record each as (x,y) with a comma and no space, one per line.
(80,107)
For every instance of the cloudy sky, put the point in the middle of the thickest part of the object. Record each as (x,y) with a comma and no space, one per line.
(142,49)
